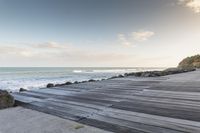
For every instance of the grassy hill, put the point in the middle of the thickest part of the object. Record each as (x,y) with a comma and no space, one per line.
(190,62)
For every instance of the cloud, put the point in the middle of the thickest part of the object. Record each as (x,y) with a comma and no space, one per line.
(142,35)
(28,50)
(26,53)
(193,4)
(15,51)
(56,54)
(51,45)
(139,36)
(122,38)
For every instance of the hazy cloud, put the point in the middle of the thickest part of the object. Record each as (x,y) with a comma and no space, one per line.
(193,4)
(57,54)
(122,38)
(139,36)
(51,45)
(142,35)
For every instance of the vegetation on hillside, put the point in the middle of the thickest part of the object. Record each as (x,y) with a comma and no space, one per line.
(190,62)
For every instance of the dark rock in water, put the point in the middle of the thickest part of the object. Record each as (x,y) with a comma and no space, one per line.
(84,81)
(91,80)
(120,76)
(113,77)
(6,100)
(76,82)
(56,85)
(147,74)
(138,74)
(22,89)
(50,85)
(68,83)
(178,70)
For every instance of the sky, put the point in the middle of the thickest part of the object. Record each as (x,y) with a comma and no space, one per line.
(98,33)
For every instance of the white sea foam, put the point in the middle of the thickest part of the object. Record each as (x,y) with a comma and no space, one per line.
(77,71)
(110,71)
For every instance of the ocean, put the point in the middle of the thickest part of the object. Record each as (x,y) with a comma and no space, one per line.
(14,78)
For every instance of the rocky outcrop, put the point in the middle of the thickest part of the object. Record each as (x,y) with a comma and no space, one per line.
(168,71)
(6,100)
(22,89)
(118,76)
(68,83)
(91,80)
(50,85)
(190,62)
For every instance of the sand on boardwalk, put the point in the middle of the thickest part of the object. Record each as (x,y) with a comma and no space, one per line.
(21,120)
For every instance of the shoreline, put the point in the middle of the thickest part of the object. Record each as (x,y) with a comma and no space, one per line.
(153,73)
(34,78)
(168,71)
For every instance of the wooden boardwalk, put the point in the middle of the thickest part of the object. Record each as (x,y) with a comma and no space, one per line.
(169,104)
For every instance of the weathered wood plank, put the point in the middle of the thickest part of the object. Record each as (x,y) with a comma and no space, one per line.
(132,127)
(174,112)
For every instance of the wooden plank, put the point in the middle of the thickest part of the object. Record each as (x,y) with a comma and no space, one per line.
(85,96)
(167,111)
(68,98)
(156,121)
(172,95)
(162,100)
(141,118)
(19,97)
(57,92)
(180,88)
(50,110)
(130,127)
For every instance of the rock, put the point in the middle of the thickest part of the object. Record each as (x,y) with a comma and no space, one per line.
(76,82)
(113,77)
(68,83)
(138,74)
(129,74)
(147,74)
(50,85)
(91,80)
(120,76)
(178,70)
(22,89)
(84,81)
(6,100)
(60,84)
(56,85)
(160,73)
